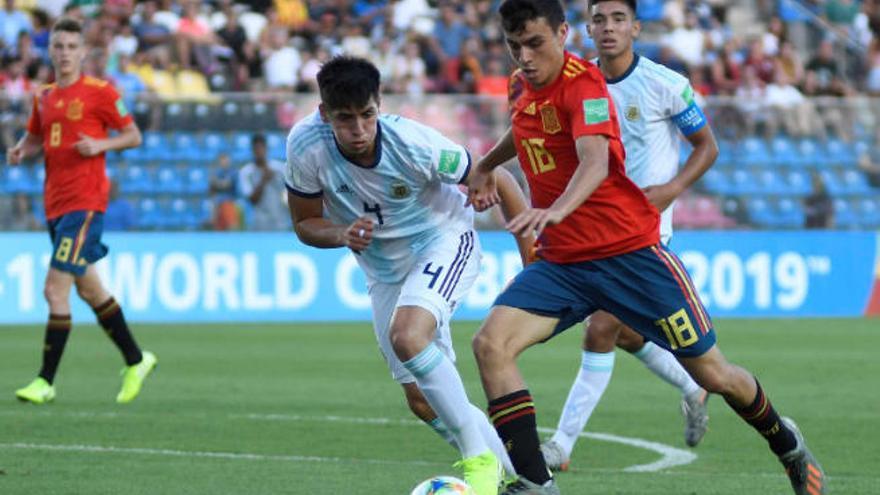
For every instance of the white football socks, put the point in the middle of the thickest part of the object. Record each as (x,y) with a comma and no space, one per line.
(664,365)
(588,387)
(441,385)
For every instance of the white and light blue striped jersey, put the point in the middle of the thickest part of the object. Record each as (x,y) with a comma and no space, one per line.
(411,191)
(654,104)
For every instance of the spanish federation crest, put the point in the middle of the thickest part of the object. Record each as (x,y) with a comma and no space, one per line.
(632,113)
(550,120)
(75,109)
(399,190)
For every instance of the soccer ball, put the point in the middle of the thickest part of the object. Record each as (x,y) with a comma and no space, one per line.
(443,485)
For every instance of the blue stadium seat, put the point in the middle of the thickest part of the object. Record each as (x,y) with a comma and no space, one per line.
(148,214)
(185,146)
(790,214)
(169,181)
(785,151)
(650,10)
(726,152)
(744,182)
(38,183)
(112,171)
(205,211)
(213,144)
(845,216)
(752,151)
(798,183)
(833,184)
(155,147)
(810,154)
(17,179)
(841,153)
(241,147)
(197,180)
(760,212)
(137,180)
(869,213)
(770,182)
(715,181)
(276,146)
(860,148)
(180,215)
(855,183)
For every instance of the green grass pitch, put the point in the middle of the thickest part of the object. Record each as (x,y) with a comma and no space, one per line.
(311,409)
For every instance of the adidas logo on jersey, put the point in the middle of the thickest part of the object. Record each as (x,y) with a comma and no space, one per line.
(344,189)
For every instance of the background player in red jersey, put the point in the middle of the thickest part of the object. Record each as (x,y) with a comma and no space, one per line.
(69,122)
(600,249)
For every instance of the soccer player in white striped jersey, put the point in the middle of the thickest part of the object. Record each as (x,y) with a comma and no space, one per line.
(655,105)
(387,188)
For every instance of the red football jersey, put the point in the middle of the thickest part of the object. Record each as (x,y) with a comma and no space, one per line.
(617,218)
(90,107)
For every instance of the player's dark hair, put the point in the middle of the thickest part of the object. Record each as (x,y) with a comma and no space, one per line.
(632,4)
(516,13)
(345,82)
(258,138)
(68,25)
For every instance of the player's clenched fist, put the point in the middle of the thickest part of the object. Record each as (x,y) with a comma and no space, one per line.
(359,234)
(88,146)
(14,155)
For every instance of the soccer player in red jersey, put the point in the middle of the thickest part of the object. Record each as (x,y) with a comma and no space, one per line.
(69,122)
(600,249)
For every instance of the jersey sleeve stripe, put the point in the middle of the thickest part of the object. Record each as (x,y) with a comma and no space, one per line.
(303,194)
(467,168)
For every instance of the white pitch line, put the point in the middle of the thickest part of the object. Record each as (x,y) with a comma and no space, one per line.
(670,456)
(207,454)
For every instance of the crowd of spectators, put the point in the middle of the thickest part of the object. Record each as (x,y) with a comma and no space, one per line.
(450,46)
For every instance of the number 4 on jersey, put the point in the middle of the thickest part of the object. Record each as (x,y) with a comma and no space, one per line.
(376,209)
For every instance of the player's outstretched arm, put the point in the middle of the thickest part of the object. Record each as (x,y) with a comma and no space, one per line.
(28,146)
(513,202)
(503,151)
(128,137)
(314,230)
(482,191)
(699,161)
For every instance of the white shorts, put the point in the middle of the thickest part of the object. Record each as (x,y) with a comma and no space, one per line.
(442,275)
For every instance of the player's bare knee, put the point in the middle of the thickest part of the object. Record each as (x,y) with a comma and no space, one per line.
(407,342)
(56,293)
(600,338)
(714,379)
(487,347)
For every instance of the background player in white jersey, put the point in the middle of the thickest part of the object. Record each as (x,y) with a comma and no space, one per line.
(655,105)
(388,188)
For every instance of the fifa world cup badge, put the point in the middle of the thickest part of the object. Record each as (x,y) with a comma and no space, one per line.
(550,119)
